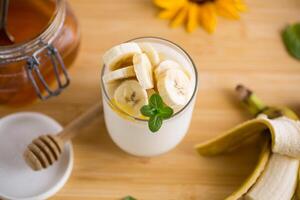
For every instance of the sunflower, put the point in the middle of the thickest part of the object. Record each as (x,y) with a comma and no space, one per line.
(194,13)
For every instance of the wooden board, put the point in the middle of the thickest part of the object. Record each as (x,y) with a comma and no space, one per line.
(248,51)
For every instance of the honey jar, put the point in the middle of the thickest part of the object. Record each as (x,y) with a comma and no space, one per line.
(46,40)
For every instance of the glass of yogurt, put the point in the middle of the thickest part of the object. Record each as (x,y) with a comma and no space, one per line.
(132,72)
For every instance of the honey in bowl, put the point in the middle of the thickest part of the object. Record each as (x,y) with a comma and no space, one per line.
(46,40)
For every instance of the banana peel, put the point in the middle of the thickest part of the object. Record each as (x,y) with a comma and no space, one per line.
(283,142)
(297,195)
(272,122)
(252,178)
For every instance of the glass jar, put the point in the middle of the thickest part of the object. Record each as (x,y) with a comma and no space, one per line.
(46,43)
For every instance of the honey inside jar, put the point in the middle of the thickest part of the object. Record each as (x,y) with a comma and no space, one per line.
(27,18)
(36,26)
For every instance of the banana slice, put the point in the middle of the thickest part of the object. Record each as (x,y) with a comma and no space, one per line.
(168,64)
(164,66)
(130,97)
(114,57)
(150,51)
(143,70)
(175,88)
(111,87)
(122,73)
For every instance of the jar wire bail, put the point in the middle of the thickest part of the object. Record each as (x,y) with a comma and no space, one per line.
(32,67)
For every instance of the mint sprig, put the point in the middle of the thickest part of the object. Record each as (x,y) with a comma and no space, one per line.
(157,111)
(291,39)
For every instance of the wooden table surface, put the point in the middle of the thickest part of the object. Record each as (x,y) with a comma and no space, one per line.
(248,51)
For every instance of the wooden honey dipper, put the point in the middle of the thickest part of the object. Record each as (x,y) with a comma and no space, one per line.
(46,149)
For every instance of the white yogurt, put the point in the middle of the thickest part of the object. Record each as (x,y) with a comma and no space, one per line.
(133,135)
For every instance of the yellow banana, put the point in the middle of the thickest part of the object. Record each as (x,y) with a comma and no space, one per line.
(255,106)
(283,142)
(252,178)
(278,122)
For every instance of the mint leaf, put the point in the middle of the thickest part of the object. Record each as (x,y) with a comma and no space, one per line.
(291,39)
(148,111)
(155,123)
(157,112)
(156,101)
(165,112)
(129,198)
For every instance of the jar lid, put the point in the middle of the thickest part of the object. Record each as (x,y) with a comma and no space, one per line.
(17,180)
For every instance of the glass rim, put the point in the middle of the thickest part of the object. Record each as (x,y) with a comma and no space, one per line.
(177,113)
(47,34)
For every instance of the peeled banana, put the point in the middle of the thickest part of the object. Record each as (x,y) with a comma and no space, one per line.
(278,181)
(252,178)
(278,178)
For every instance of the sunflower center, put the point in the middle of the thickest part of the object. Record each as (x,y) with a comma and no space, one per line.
(201,1)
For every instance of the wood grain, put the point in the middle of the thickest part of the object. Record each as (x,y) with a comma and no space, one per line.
(248,51)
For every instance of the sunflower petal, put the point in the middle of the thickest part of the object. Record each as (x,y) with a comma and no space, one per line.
(168,13)
(168,4)
(240,5)
(208,17)
(192,18)
(227,9)
(180,17)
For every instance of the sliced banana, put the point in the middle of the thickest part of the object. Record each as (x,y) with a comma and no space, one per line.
(175,88)
(111,87)
(143,70)
(166,65)
(114,57)
(130,97)
(150,51)
(118,74)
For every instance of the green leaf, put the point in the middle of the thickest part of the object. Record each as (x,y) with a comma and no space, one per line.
(129,198)
(156,101)
(165,112)
(155,123)
(291,39)
(148,111)
(157,112)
